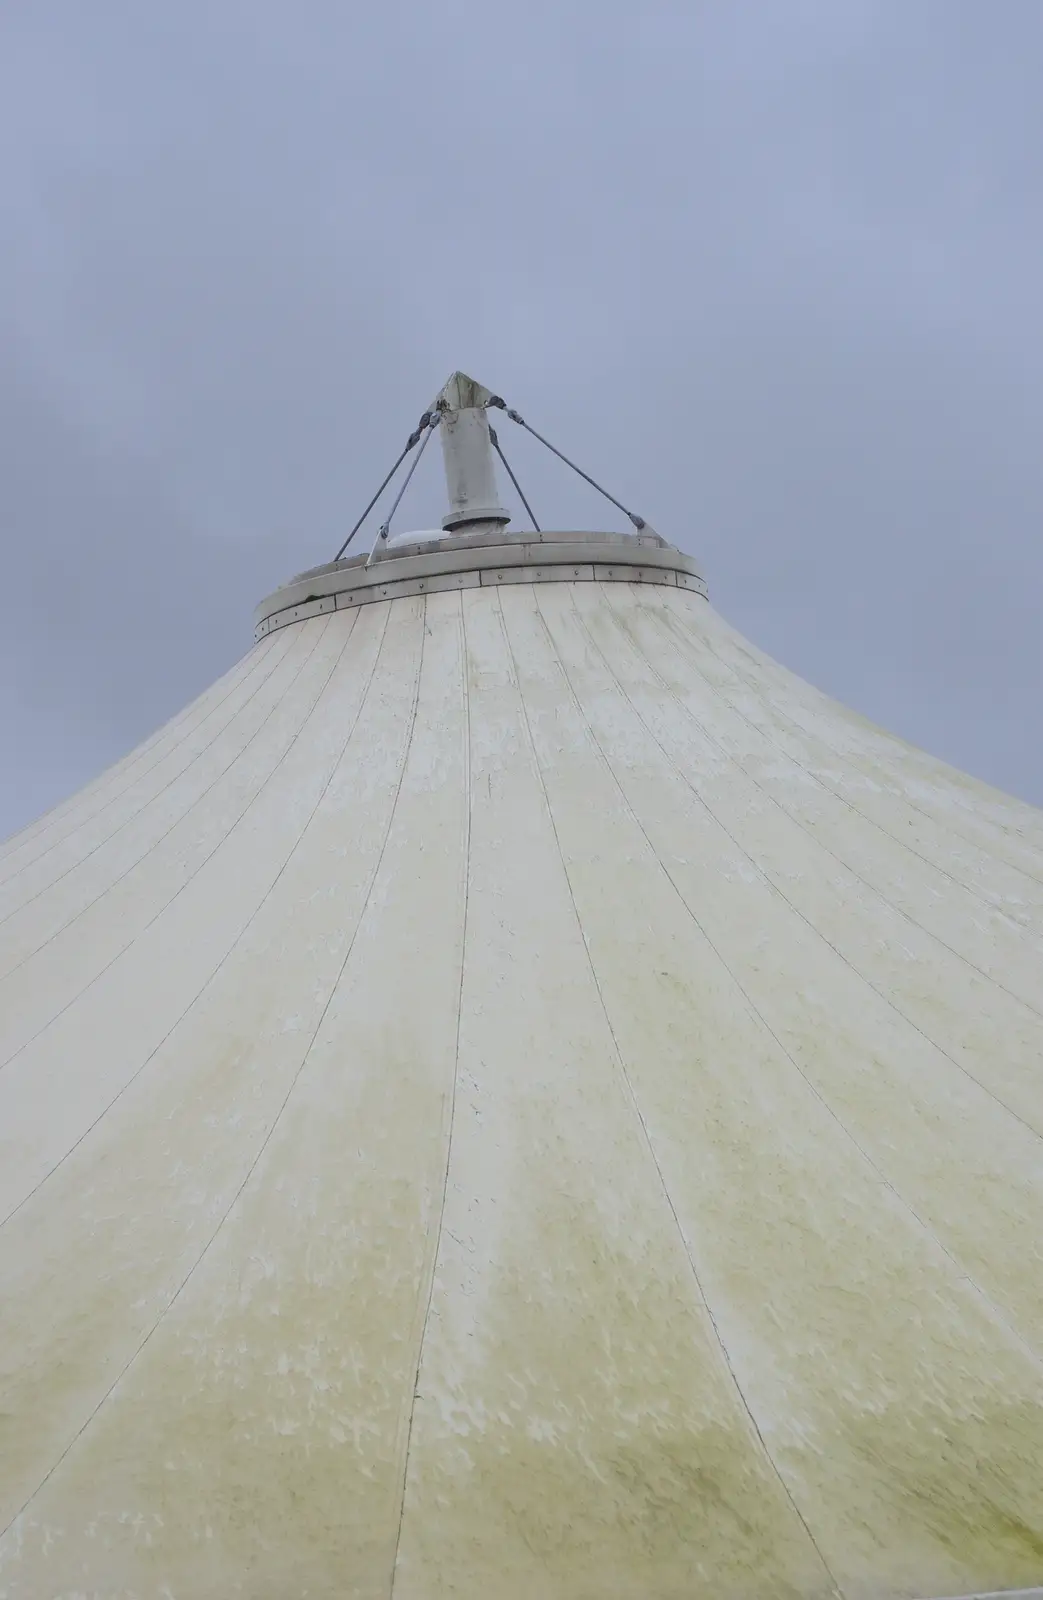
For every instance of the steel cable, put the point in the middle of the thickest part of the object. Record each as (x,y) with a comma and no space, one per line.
(385,526)
(501,405)
(510,474)
(411,444)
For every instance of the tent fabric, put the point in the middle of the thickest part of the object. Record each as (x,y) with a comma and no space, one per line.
(514,1094)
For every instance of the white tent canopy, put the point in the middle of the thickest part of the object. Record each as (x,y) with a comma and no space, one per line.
(513,1094)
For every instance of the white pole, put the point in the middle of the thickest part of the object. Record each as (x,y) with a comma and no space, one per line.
(470,475)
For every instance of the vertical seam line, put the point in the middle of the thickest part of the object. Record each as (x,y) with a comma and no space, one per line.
(998,1318)
(452,1102)
(790,816)
(685,1246)
(265,1141)
(217,969)
(107,800)
(27,1043)
(127,821)
(799,730)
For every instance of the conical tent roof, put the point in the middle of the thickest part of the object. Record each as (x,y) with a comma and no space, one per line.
(514,1094)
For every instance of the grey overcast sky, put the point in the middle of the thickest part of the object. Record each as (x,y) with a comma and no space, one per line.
(771,268)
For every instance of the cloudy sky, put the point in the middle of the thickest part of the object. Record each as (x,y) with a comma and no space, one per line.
(771,268)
